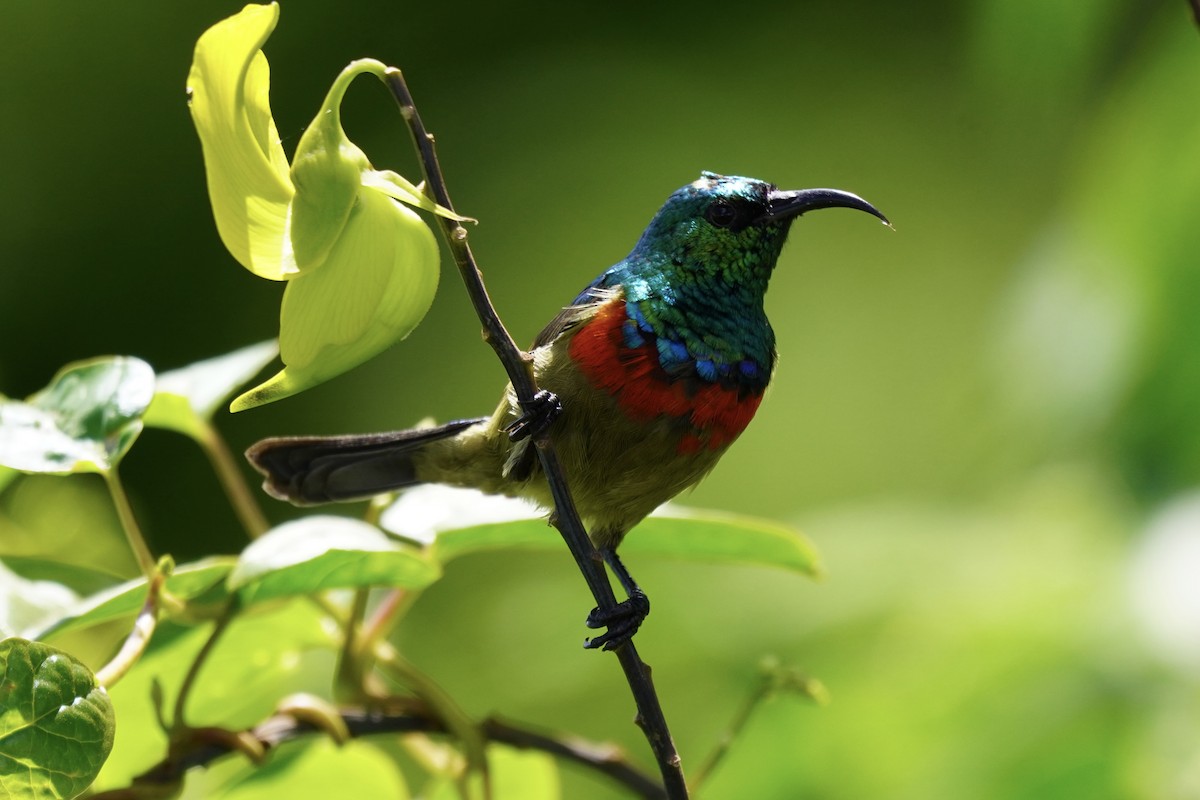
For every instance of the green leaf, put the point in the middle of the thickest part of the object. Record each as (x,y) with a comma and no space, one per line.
(713,536)
(373,289)
(313,767)
(325,552)
(26,603)
(264,654)
(84,421)
(459,522)
(515,775)
(186,398)
(56,723)
(188,582)
(526,774)
(361,268)
(80,578)
(248,182)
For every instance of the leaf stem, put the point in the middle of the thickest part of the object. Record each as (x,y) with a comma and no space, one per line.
(177,722)
(138,639)
(735,726)
(387,659)
(133,533)
(452,715)
(519,367)
(351,668)
(229,474)
(383,619)
(774,678)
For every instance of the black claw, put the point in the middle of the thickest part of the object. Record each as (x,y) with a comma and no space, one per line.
(540,413)
(622,621)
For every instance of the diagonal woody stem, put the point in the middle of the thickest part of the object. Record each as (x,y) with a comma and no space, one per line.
(517,364)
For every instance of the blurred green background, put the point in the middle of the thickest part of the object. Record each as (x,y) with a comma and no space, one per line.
(986,419)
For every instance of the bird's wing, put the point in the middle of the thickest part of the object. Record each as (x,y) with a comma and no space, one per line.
(573,315)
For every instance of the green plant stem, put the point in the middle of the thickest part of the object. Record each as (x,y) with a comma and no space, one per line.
(138,639)
(456,720)
(518,365)
(133,533)
(232,481)
(390,662)
(735,726)
(383,619)
(351,666)
(189,680)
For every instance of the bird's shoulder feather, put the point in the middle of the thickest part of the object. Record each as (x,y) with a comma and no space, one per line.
(574,315)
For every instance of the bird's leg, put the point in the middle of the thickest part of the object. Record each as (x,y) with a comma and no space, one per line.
(540,413)
(623,620)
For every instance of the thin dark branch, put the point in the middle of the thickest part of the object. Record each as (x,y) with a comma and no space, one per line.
(1195,4)
(517,364)
(606,759)
(204,748)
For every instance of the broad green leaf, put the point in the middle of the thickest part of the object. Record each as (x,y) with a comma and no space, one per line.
(375,286)
(423,512)
(699,536)
(80,578)
(188,582)
(463,521)
(325,552)
(712,536)
(248,182)
(525,774)
(369,264)
(71,522)
(26,603)
(84,421)
(186,398)
(313,767)
(56,723)
(515,775)
(266,653)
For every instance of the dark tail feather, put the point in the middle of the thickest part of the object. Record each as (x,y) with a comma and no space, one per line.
(308,470)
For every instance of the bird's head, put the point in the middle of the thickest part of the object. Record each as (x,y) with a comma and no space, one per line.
(725,223)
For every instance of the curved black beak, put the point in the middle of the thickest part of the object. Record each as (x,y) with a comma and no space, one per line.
(786,205)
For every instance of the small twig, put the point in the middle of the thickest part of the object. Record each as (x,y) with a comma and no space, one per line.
(740,718)
(202,750)
(774,678)
(517,364)
(1195,4)
(138,639)
(606,759)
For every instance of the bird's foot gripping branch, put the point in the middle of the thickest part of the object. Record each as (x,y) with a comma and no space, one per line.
(245,632)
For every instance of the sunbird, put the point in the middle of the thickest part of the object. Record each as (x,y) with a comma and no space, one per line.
(646,379)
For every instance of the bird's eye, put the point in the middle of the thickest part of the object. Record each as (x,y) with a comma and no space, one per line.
(721,214)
